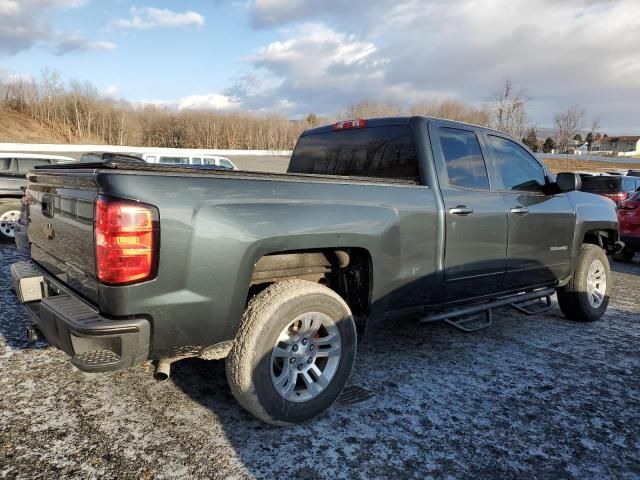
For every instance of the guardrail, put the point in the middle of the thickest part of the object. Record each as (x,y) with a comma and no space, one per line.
(63,148)
(588,158)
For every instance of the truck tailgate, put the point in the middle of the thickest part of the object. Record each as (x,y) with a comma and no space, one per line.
(60,227)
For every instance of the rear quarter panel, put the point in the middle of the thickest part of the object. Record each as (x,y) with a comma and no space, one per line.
(213,230)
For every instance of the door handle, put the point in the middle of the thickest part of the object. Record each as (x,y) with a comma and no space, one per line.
(520,210)
(461,210)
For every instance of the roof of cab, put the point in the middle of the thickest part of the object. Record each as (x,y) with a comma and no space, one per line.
(400,120)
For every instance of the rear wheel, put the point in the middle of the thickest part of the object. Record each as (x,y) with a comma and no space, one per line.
(9,214)
(294,352)
(586,296)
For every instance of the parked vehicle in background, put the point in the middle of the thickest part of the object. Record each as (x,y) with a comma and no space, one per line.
(374,219)
(629,224)
(13,170)
(109,156)
(633,173)
(616,187)
(178,159)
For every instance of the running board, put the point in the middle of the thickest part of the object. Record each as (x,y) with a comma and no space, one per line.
(535,306)
(471,325)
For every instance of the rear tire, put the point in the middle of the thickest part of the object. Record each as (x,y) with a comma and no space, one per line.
(294,352)
(586,297)
(9,214)
(626,255)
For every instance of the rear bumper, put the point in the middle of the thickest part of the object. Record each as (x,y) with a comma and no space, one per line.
(631,242)
(95,343)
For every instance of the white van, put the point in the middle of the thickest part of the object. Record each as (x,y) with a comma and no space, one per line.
(172,159)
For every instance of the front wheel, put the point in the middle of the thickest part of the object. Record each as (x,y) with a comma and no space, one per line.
(586,296)
(294,352)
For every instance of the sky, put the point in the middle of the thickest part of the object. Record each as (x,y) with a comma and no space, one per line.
(294,57)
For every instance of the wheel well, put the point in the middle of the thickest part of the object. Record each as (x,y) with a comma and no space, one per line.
(603,238)
(347,271)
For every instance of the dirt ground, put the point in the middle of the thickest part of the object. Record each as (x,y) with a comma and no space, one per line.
(529,397)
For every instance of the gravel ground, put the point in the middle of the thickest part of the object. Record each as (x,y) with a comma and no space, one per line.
(529,397)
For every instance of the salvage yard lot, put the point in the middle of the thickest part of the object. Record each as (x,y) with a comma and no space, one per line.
(530,396)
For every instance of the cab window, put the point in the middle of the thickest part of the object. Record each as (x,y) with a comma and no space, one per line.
(517,169)
(463,158)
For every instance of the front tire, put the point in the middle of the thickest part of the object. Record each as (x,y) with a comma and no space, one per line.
(294,352)
(586,296)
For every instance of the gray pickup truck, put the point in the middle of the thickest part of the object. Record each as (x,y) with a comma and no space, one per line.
(277,272)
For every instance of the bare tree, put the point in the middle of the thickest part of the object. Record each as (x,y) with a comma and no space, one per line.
(509,109)
(369,109)
(453,110)
(568,124)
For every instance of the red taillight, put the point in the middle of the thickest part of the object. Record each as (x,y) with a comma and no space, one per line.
(126,241)
(617,197)
(349,124)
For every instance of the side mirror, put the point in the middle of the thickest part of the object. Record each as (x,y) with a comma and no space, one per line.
(568,181)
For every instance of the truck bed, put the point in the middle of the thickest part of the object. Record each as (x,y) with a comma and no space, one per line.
(188,171)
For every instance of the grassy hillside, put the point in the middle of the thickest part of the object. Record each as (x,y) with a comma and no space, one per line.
(22,128)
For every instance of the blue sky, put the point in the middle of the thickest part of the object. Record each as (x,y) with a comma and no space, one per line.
(153,63)
(300,56)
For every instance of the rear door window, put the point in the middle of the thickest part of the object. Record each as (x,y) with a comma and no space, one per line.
(629,184)
(463,157)
(601,184)
(382,152)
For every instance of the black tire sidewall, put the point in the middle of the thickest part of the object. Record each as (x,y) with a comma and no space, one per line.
(273,403)
(581,308)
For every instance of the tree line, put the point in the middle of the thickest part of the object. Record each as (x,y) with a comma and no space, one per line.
(76,112)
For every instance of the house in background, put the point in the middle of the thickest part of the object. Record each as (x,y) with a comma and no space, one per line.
(624,145)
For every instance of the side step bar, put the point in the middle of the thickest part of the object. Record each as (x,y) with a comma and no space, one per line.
(535,306)
(467,324)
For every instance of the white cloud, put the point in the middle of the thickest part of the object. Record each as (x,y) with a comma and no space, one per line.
(67,43)
(581,52)
(11,77)
(211,101)
(150,18)
(25,24)
(111,91)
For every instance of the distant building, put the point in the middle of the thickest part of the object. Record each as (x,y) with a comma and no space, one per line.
(626,145)
(581,149)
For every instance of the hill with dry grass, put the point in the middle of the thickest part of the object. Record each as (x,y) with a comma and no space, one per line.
(21,128)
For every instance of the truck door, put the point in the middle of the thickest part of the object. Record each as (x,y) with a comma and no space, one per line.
(541,226)
(476,219)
